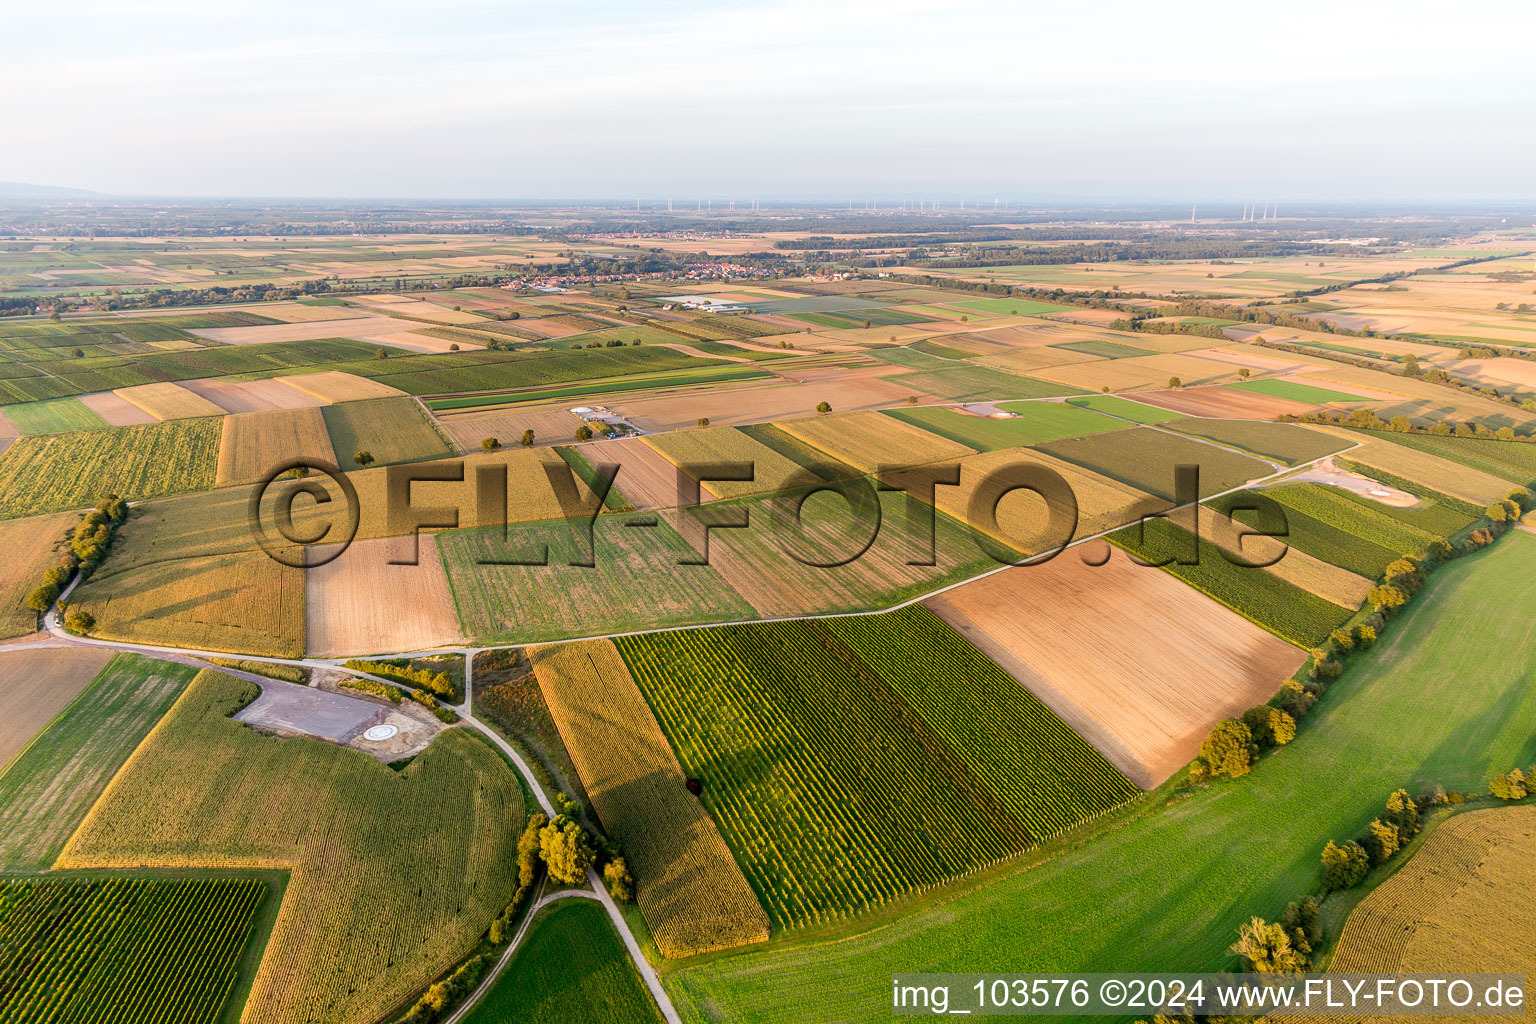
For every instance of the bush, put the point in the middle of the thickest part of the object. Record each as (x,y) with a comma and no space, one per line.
(1343,640)
(621,885)
(703,421)
(1345,866)
(583,433)
(1270,726)
(490,444)
(1509,786)
(363,457)
(78,620)
(527,439)
(1267,949)
(374,687)
(1229,749)
(1365,636)
(1295,700)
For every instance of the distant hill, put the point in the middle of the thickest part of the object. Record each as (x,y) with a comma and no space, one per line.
(21,190)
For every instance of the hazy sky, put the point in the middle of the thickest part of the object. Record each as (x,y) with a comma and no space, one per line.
(828,98)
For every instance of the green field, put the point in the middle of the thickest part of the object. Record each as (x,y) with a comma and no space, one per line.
(392,430)
(913,357)
(65,471)
(685,377)
(1341,542)
(572,966)
(52,783)
(53,417)
(636,582)
(1146,459)
(1284,609)
(394,874)
(979,384)
(1444,699)
(1035,422)
(149,950)
(1124,408)
(1297,392)
(845,774)
(488,371)
(1009,307)
(1283,442)
(1106,349)
(1340,509)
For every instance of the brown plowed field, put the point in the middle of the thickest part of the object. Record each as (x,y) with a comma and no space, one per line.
(116,410)
(1140,664)
(36,685)
(551,424)
(360,604)
(1224,403)
(238,396)
(253,443)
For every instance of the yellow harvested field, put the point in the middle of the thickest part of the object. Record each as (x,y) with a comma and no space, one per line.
(1027,360)
(1433,472)
(250,395)
(369,327)
(419,309)
(1257,359)
(299,313)
(1137,662)
(1138,372)
(255,443)
(115,410)
(1295,566)
(694,897)
(771,471)
(1023,516)
(244,603)
(1465,902)
(166,401)
(31,545)
(1430,401)
(866,440)
(1501,371)
(551,424)
(35,686)
(725,407)
(360,604)
(333,386)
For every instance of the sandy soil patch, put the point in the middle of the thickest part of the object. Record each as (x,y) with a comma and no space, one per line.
(331,386)
(360,604)
(36,685)
(238,396)
(551,424)
(735,406)
(645,477)
(1327,472)
(166,401)
(1224,403)
(1135,661)
(116,410)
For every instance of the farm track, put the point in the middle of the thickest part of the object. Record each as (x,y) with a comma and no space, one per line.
(58,637)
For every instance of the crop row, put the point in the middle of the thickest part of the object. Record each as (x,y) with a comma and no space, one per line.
(122,949)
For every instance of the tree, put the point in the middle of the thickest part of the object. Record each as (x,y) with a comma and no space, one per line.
(527,439)
(1270,726)
(1267,949)
(77,353)
(1345,866)
(823,407)
(1509,786)
(1497,512)
(583,433)
(1401,424)
(42,598)
(1380,841)
(363,457)
(1243,373)
(1365,636)
(1342,639)
(1387,596)
(703,421)
(1175,383)
(78,620)
(453,347)
(566,850)
(528,849)
(490,444)
(1303,918)
(1520,496)
(381,353)
(1229,748)
(1402,814)
(621,885)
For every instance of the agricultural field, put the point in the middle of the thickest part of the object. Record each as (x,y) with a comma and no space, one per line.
(868,440)
(1514,461)
(846,724)
(392,430)
(1438,474)
(1033,422)
(551,424)
(1455,906)
(1286,443)
(54,416)
(166,401)
(34,545)
(771,471)
(1185,877)
(979,384)
(502,602)
(1281,558)
(35,686)
(1123,408)
(339,386)
(1146,458)
(255,443)
(1295,391)
(65,471)
(393,875)
(359,603)
(693,895)
(47,789)
(1136,373)
(573,967)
